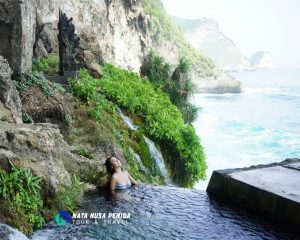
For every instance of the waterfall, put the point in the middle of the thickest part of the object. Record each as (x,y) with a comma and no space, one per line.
(158,159)
(127,120)
(156,155)
(139,160)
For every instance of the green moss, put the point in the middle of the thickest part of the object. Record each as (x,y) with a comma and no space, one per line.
(91,176)
(141,148)
(27,118)
(87,131)
(135,169)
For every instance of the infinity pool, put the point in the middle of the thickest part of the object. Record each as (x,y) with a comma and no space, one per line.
(164,213)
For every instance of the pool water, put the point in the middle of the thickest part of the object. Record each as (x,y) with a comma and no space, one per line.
(161,212)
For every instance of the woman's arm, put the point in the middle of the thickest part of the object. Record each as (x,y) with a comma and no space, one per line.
(112,184)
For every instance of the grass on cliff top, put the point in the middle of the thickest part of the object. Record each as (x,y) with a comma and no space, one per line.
(162,120)
(164,27)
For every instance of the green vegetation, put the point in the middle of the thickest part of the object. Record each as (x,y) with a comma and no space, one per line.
(163,27)
(95,120)
(162,120)
(37,78)
(157,70)
(67,198)
(21,202)
(27,118)
(84,152)
(48,65)
(20,199)
(178,86)
(3,118)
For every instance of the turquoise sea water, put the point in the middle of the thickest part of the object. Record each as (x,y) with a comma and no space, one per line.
(260,125)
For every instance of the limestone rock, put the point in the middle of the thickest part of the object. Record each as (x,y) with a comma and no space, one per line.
(262,60)
(121,33)
(17,24)
(5,114)
(40,50)
(105,149)
(8,93)
(45,109)
(42,148)
(39,147)
(90,62)
(224,83)
(118,31)
(48,36)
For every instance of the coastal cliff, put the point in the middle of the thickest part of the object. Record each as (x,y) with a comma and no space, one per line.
(205,35)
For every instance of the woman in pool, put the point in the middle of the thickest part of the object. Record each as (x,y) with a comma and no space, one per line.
(118,179)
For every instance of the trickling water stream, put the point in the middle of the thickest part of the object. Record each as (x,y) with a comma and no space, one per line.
(127,120)
(156,155)
(158,159)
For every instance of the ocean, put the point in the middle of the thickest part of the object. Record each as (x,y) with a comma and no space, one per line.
(258,126)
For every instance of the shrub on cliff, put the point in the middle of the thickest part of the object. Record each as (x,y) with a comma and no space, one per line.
(178,86)
(162,120)
(20,199)
(22,205)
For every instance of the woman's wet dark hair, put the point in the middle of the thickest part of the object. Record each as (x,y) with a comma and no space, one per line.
(108,165)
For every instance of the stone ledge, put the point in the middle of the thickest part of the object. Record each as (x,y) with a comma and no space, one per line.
(273,189)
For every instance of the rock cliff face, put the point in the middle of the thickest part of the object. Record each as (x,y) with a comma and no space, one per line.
(10,103)
(205,35)
(41,147)
(17,33)
(117,31)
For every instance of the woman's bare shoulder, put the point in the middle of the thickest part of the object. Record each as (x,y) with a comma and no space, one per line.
(114,176)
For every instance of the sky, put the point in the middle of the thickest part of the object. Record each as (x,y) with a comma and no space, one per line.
(253,25)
